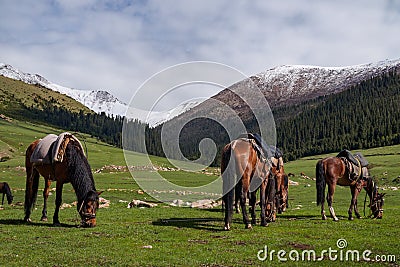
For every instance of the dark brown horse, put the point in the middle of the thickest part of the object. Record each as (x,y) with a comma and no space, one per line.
(243,172)
(332,171)
(5,189)
(74,169)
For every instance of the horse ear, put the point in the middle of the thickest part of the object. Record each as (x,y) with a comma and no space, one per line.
(99,192)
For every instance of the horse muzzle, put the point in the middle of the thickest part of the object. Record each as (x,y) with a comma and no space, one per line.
(90,223)
(88,220)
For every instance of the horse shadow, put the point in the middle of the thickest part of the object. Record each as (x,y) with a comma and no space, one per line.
(207,224)
(19,222)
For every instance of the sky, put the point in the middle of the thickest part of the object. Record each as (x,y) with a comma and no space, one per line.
(118,45)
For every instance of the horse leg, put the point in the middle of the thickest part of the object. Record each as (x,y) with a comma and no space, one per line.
(355,191)
(59,188)
(323,210)
(329,199)
(243,198)
(263,204)
(352,202)
(46,192)
(237,198)
(2,200)
(252,202)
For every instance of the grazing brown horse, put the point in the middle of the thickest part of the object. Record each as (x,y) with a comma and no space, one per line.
(243,172)
(74,169)
(282,188)
(5,189)
(332,171)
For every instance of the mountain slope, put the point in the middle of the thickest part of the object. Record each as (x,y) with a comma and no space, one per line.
(16,96)
(285,88)
(99,101)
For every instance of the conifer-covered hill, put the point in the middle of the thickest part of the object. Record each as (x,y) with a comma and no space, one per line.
(362,116)
(35,103)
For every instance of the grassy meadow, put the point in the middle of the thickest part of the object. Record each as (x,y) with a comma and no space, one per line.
(173,236)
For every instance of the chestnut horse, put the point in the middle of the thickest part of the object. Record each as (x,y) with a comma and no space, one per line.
(5,189)
(332,171)
(74,169)
(243,173)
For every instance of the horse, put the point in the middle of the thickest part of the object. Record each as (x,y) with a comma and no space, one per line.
(332,171)
(243,173)
(282,188)
(5,189)
(281,182)
(75,169)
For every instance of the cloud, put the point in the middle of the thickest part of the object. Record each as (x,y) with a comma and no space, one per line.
(117,45)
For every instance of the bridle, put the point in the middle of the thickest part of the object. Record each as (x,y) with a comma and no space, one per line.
(85,215)
(376,201)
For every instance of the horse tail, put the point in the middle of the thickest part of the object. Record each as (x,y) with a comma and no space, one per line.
(321,183)
(32,184)
(229,177)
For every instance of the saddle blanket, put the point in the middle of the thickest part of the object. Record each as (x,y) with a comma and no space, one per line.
(49,149)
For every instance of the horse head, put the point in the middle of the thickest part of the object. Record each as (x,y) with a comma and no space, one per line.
(10,198)
(87,209)
(376,199)
(377,205)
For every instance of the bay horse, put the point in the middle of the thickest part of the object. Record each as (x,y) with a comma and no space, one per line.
(243,173)
(74,169)
(5,189)
(282,188)
(332,171)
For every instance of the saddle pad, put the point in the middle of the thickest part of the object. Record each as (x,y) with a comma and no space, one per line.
(51,149)
(41,153)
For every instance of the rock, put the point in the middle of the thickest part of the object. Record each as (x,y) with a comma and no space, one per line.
(139,203)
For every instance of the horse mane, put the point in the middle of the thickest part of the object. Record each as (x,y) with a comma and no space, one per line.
(79,171)
(371,185)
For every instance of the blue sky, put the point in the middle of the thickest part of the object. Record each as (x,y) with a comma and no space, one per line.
(117,45)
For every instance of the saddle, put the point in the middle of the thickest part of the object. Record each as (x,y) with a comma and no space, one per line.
(270,152)
(51,148)
(354,163)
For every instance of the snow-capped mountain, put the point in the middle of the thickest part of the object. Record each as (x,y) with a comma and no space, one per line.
(290,82)
(98,101)
(284,86)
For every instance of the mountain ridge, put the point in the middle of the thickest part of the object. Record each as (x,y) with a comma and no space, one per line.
(97,100)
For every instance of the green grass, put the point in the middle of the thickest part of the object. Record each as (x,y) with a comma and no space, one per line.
(182,236)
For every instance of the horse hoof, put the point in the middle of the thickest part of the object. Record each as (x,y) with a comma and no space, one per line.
(335,219)
(248,226)
(351,219)
(57,224)
(28,220)
(324,218)
(227,228)
(43,219)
